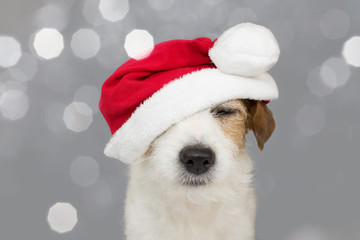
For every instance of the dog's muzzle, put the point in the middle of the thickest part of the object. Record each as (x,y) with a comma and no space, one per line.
(197,159)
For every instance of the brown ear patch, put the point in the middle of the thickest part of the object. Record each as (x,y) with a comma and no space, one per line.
(260,121)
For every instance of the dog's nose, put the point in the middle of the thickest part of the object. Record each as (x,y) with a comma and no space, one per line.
(197,159)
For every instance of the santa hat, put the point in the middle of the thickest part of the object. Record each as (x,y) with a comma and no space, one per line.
(144,97)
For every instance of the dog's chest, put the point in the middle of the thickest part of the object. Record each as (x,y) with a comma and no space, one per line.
(186,220)
(201,221)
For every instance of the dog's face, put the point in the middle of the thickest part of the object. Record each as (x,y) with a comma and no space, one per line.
(209,147)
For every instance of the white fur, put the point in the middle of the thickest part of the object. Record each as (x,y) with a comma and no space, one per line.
(159,207)
(246,49)
(179,99)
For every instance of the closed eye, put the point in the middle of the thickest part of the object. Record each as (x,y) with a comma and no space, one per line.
(221,111)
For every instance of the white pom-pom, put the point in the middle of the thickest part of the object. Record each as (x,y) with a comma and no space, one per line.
(246,49)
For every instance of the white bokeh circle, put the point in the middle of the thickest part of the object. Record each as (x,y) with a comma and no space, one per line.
(321,81)
(48,43)
(10,51)
(351,51)
(85,43)
(77,116)
(62,217)
(14,102)
(139,44)
(340,68)
(84,171)
(328,77)
(114,10)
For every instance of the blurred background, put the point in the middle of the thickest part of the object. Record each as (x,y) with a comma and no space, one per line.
(55,182)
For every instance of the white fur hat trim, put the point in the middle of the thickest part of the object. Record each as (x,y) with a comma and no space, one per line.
(246,49)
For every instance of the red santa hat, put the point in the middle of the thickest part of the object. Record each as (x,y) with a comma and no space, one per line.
(144,97)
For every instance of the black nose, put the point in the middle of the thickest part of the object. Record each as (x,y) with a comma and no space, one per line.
(197,159)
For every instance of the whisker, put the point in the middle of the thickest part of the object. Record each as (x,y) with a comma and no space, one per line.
(189,179)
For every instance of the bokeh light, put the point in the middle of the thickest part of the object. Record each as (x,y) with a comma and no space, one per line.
(52,16)
(62,217)
(328,77)
(139,44)
(351,51)
(321,81)
(14,102)
(84,171)
(77,116)
(340,68)
(89,95)
(334,24)
(114,10)
(310,120)
(48,43)
(85,43)
(10,51)
(160,5)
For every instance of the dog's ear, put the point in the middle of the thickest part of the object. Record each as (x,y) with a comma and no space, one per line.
(260,120)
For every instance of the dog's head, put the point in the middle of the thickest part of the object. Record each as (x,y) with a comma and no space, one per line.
(208,147)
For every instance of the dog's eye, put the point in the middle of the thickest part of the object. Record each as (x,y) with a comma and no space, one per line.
(218,112)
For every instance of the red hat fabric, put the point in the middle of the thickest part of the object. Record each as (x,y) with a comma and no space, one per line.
(136,80)
(143,98)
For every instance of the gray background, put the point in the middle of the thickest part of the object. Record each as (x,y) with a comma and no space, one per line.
(306,177)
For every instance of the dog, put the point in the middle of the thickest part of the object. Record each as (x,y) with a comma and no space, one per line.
(195,181)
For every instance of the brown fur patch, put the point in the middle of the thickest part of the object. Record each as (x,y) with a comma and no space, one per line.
(149,151)
(234,125)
